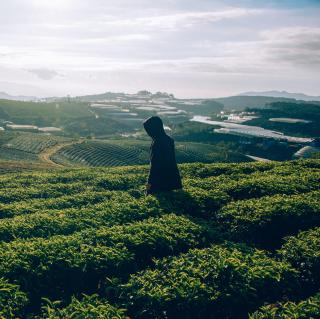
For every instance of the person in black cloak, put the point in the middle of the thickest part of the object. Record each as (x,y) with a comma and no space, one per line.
(164,174)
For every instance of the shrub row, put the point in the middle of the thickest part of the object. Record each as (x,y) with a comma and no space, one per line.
(12,300)
(201,170)
(88,307)
(197,170)
(121,208)
(36,178)
(265,221)
(303,252)
(306,309)
(85,198)
(223,281)
(116,208)
(67,264)
(217,169)
(258,186)
(193,201)
(46,191)
(238,187)
(101,180)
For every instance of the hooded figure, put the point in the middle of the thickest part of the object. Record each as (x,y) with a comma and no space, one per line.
(164,174)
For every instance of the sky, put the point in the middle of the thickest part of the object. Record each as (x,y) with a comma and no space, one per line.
(191,48)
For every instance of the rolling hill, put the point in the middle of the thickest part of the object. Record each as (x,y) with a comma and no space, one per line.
(239,103)
(284,94)
(136,152)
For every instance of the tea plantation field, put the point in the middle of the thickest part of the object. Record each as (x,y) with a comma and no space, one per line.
(136,152)
(240,241)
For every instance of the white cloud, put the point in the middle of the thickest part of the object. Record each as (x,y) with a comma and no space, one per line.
(115,39)
(184,19)
(128,44)
(299,46)
(44,74)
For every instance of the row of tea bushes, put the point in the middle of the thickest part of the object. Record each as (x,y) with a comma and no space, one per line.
(223,281)
(89,307)
(112,208)
(12,300)
(46,191)
(78,200)
(68,264)
(303,252)
(120,208)
(265,221)
(306,309)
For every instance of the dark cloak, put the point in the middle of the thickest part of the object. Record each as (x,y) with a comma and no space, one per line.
(164,174)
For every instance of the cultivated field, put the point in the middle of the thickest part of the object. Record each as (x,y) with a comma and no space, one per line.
(240,241)
(136,152)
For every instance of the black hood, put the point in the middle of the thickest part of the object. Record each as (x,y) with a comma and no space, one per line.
(154,127)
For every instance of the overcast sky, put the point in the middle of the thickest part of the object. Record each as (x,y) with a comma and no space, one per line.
(192,48)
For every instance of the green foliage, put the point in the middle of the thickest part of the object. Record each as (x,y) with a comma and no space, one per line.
(243,102)
(303,252)
(88,307)
(74,262)
(306,309)
(47,191)
(44,205)
(12,300)
(92,126)
(67,221)
(73,231)
(9,154)
(43,114)
(258,185)
(193,201)
(136,152)
(33,143)
(305,111)
(216,282)
(254,220)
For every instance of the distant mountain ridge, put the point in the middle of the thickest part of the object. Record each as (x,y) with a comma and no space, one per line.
(7,96)
(283,94)
(242,102)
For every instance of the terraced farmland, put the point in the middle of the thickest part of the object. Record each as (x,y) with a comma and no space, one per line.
(26,147)
(33,143)
(119,153)
(239,241)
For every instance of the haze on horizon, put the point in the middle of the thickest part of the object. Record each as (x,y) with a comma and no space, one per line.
(202,48)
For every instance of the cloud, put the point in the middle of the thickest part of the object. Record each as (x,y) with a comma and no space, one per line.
(296,45)
(183,44)
(115,39)
(44,74)
(184,19)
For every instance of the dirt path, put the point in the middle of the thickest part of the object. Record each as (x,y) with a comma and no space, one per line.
(45,156)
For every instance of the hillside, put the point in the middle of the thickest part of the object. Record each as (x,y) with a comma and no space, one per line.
(6,96)
(239,103)
(275,116)
(137,152)
(40,147)
(285,94)
(217,249)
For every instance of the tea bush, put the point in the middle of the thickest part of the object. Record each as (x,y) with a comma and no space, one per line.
(217,282)
(306,309)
